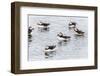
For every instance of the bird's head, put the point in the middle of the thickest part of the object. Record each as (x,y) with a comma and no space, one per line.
(60,34)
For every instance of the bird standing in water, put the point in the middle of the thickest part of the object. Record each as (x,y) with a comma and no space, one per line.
(43,26)
(49,49)
(78,32)
(30,29)
(62,37)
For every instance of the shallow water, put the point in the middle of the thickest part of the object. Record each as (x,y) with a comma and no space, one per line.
(75,48)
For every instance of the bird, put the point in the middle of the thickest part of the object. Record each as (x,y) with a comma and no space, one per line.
(49,49)
(43,24)
(78,32)
(62,37)
(72,24)
(30,29)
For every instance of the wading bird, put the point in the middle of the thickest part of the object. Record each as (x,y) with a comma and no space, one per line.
(62,37)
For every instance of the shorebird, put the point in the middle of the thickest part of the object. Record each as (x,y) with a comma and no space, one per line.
(61,37)
(30,29)
(49,49)
(78,32)
(72,24)
(43,24)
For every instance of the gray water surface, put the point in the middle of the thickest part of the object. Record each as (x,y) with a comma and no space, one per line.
(75,48)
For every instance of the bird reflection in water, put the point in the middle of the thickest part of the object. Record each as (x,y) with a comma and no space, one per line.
(79,36)
(45,29)
(62,43)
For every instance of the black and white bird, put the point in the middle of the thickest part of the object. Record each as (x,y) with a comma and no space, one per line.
(43,24)
(30,29)
(49,49)
(62,37)
(78,32)
(72,24)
